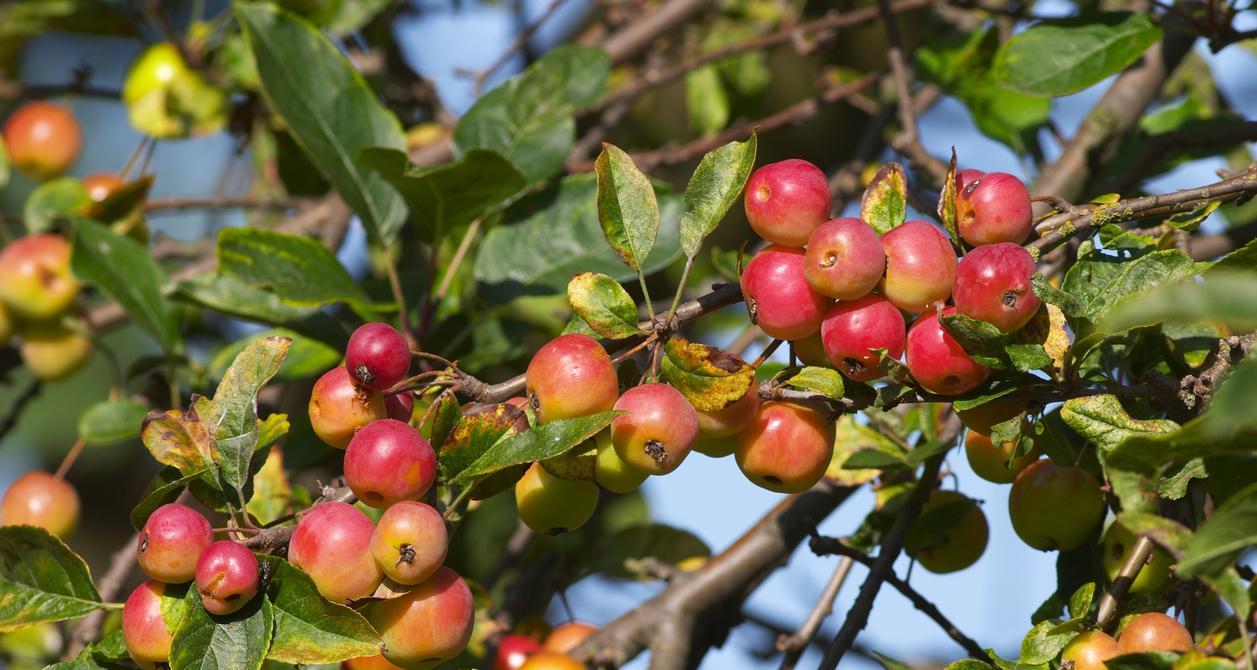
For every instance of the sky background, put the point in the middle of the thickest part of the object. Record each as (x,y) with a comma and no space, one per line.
(991,601)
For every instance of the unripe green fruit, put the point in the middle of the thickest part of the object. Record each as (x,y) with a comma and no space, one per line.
(40,499)
(167,99)
(1089,651)
(551,505)
(52,351)
(429,624)
(144,629)
(950,534)
(991,462)
(1118,542)
(982,419)
(611,472)
(1055,507)
(6,325)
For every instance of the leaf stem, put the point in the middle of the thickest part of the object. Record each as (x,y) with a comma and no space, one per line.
(676,300)
(70,457)
(650,308)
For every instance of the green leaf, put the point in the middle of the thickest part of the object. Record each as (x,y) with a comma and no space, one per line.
(1100,280)
(604,305)
(706,100)
(111,422)
(947,200)
(668,545)
(851,438)
(1243,258)
(41,579)
(234,296)
(1102,420)
(180,439)
(474,434)
(234,417)
(889,663)
(1047,639)
(1080,602)
(236,641)
(713,189)
(1191,219)
(165,488)
(710,378)
(447,196)
(328,108)
(1174,486)
(969,664)
(989,346)
(627,208)
(529,120)
(108,653)
(124,202)
(552,235)
(825,381)
(544,441)
(306,357)
(1059,57)
(1027,357)
(298,269)
(1231,529)
(124,269)
(885,202)
(1069,304)
(54,199)
(1227,298)
(272,494)
(308,628)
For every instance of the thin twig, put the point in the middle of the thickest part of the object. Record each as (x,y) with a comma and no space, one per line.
(70,457)
(15,409)
(908,141)
(459,254)
(521,41)
(224,202)
(795,644)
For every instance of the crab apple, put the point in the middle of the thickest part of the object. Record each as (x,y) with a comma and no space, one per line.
(388,461)
(410,542)
(966,177)
(937,361)
(852,329)
(101,185)
(992,208)
(1053,506)
(548,660)
(144,629)
(571,376)
(991,463)
(226,577)
(332,544)
(429,624)
(52,351)
(955,547)
(982,418)
(610,471)
(658,429)
(844,259)
(35,278)
(400,406)
(732,419)
(781,301)
(339,407)
(377,662)
(787,447)
(377,356)
(40,499)
(567,636)
(786,201)
(1089,651)
(1152,575)
(811,350)
(1153,631)
(920,266)
(43,139)
(513,650)
(171,542)
(993,285)
(551,505)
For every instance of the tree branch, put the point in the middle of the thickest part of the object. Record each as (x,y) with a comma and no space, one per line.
(1106,612)
(908,141)
(796,643)
(225,202)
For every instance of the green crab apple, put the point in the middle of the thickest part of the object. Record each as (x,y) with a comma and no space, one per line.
(42,500)
(1152,576)
(388,461)
(920,266)
(993,285)
(991,462)
(937,361)
(1054,506)
(144,630)
(982,418)
(167,99)
(339,407)
(657,430)
(43,139)
(844,259)
(332,544)
(610,471)
(959,542)
(410,542)
(992,208)
(786,201)
(226,577)
(551,505)
(571,376)
(787,448)
(854,329)
(430,624)
(52,351)
(778,296)
(35,278)
(171,541)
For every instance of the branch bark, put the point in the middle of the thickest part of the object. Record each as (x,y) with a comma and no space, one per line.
(1106,611)
(796,643)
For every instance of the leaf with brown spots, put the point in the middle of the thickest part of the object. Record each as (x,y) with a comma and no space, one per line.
(710,378)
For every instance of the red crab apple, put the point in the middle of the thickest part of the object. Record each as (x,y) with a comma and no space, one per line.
(40,499)
(966,177)
(144,629)
(844,259)
(786,201)
(400,406)
(388,461)
(1089,651)
(781,301)
(993,285)
(513,650)
(377,662)
(994,207)
(377,356)
(787,448)
(853,329)
(332,544)
(226,577)
(410,542)
(429,624)
(339,407)
(171,542)
(658,429)
(571,376)
(1053,506)
(43,139)
(35,278)
(551,505)
(1153,631)
(920,266)
(101,185)
(937,361)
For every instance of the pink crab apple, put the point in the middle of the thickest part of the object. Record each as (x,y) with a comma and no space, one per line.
(937,361)
(42,500)
(400,406)
(171,542)
(339,407)
(966,177)
(1055,507)
(410,542)
(993,208)
(786,201)
(144,629)
(429,624)
(226,577)
(658,429)
(332,544)
(101,185)
(377,356)
(993,285)
(787,448)
(388,461)
(781,301)
(920,266)
(853,329)
(35,278)
(42,139)
(571,376)
(844,259)
(514,650)
(1153,631)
